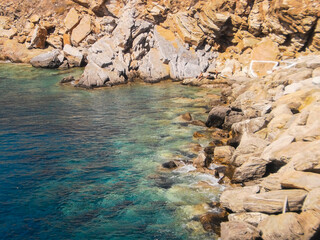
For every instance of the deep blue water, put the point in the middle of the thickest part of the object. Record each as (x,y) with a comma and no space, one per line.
(77,164)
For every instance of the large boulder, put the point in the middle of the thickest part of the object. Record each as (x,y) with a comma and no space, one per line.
(312,201)
(281,227)
(38,38)
(223,154)
(236,204)
(217,116)
(74,56)
(298,179)
(81,31)
(94,76)
(47,60)
(273,201)
(254,168)
(291,226)
(266,50)
(235,230)
(253,218)
(72,19)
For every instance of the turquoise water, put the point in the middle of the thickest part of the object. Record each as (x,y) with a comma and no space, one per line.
(77,164)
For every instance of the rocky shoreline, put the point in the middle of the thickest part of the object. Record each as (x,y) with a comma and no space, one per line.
(264,129)
(266,149)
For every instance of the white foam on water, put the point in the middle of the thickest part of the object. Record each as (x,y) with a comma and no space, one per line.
(185,169)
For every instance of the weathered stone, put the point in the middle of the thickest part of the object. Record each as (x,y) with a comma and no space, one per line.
(217,116)
(72,19)
(211,221)
(283,141)
(250,145)
(249,125)
(266,50)
(283,227)
(73,55)
(47,60)
(235,230)
(55,41)
(252,169)
(202,161)
(10,33)
(231,118)
(297,179)
(152,69)
(81,31)
(312,201)
(310,222)
(38,39)
(253,218)
(273,201)
(170,165)
(34,18)
(223,154)
(94,76)
(235,204)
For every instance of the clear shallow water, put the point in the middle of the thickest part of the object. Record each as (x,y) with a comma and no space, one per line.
(78,164)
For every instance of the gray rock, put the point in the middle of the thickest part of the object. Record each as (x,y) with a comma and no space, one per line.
(152,69)
(217,116)
(94,76)
(47,60)
(73,55)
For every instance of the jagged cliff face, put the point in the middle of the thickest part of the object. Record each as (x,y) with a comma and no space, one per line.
(170,34)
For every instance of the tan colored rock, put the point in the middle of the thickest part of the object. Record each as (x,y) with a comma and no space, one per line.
(316,72)
(235,230)
(188,30)
(266,50)
(12,50)
(273,201)
(291,226)
(253,218)
(10,33)
(81,31)
(72,19)
(55,41)
(201,161)
(312,201)
(233,199)
(34,18)
(66,39)
(39,37)
(303,180)
(270,151)
(223,154)
(310,222)
(281,227)
(254,168)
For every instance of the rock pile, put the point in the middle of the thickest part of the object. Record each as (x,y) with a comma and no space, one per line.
(274,172)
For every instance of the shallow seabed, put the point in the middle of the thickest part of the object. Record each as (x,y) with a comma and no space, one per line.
(77,164)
